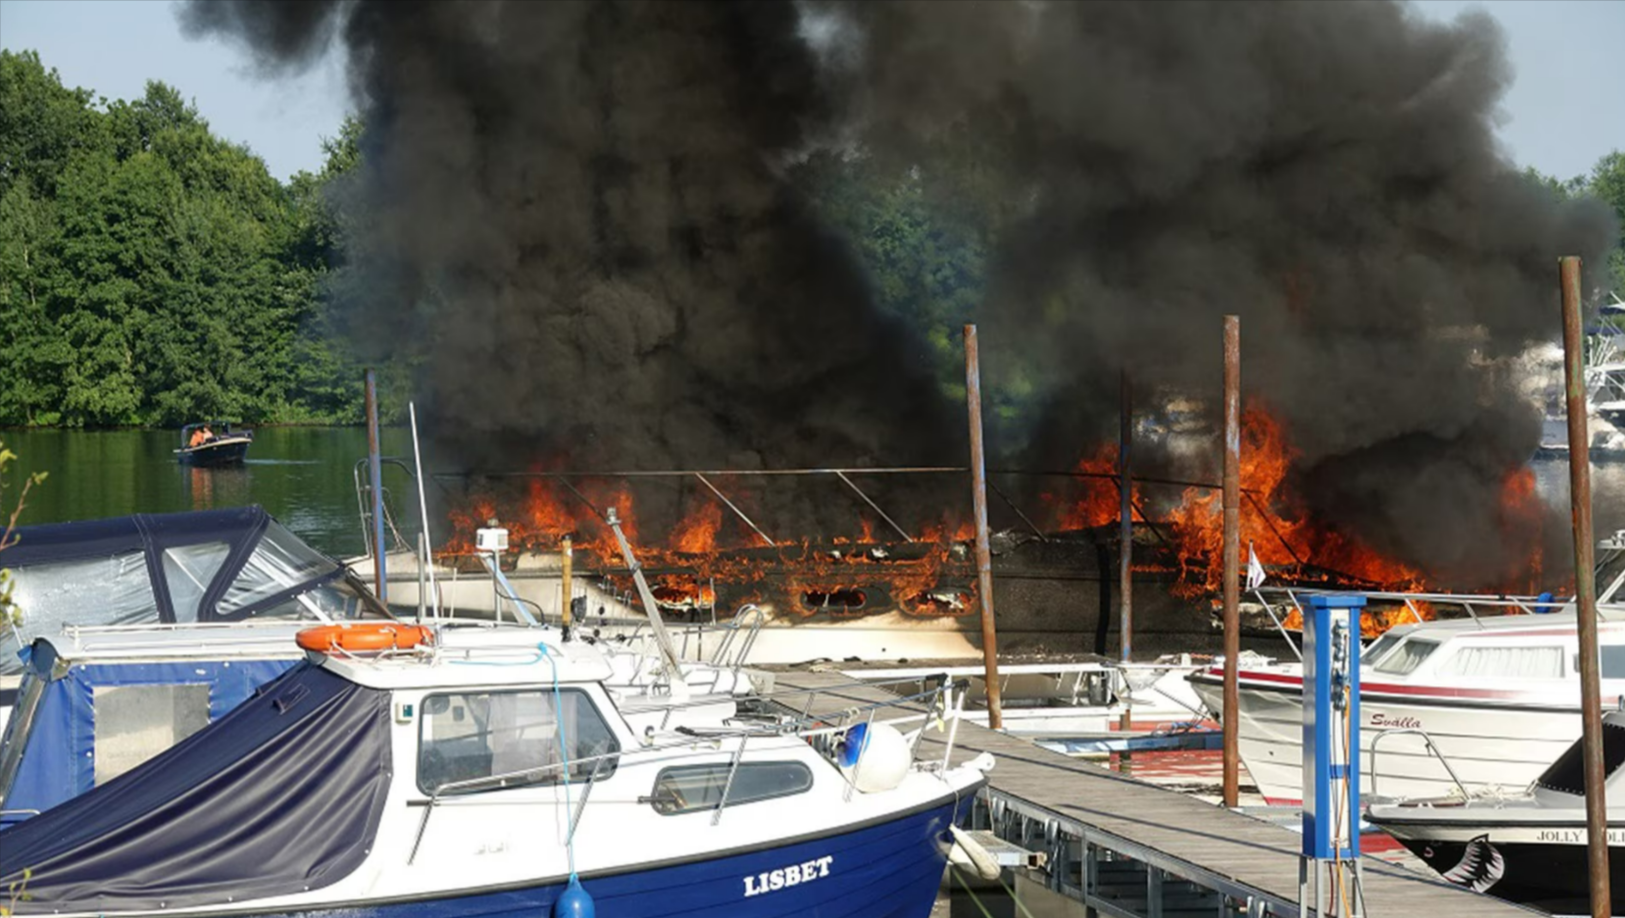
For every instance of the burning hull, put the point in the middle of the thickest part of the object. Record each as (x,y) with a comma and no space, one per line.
(873,602)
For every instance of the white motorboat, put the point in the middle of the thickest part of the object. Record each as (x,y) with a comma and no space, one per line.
(1493,700)
(475,769)
(1529,847)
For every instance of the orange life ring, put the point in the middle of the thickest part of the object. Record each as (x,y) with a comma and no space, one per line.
(363,636)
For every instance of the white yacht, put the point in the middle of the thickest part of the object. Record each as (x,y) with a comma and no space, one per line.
(1480,702)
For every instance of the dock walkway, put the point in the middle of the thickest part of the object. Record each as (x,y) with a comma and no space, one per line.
(1125,847)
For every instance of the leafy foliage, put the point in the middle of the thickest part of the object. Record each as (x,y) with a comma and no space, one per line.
(1607,184)
(9,614)
(152,273)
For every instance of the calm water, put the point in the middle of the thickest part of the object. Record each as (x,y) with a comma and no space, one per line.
(302,475)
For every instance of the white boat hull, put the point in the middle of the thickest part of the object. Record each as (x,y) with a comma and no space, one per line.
(1504,747)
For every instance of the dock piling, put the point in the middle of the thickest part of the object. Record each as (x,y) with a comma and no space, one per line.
(1125,534)
(1585,590)
(375,467)
(1232,553)
(984,562)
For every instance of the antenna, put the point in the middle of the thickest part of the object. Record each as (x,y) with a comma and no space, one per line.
(423,513)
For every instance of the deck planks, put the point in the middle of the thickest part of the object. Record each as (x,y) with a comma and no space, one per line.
(1247,851)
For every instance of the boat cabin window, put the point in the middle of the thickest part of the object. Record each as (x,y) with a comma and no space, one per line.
(1379,648)
(280,561)
(1407,657)
(1613,661)
(188,570)
(1505,662)
(111,590)
(470,735)
(699,787)
(136,722)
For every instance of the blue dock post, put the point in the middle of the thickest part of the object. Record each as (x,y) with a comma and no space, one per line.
(1331,758)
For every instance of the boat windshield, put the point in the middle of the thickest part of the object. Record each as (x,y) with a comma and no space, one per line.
(1380,648)
(1404,660)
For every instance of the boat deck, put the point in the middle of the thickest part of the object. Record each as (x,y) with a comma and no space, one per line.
(1125,847)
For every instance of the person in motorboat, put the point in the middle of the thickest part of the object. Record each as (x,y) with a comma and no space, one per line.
(456,771)
(201,436)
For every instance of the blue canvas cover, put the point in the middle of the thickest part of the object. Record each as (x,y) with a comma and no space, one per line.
(59,760)
(281,795)
(205,566)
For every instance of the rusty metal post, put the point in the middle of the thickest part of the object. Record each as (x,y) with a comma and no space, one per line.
(1125,535)
(1585,591)
(1125,518)
(984,562)
(568,553)
(375,467)
(1232,553)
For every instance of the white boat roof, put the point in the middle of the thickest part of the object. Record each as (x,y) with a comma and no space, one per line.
(478,656)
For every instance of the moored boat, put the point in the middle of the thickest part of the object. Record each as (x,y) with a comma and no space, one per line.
(1530,847)
(1483,703)
(488,769)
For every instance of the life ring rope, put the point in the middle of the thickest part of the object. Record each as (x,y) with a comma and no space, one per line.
(363,636)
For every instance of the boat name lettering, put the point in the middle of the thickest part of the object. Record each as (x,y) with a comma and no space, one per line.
(795,874)
(1382,720)
(1576,836)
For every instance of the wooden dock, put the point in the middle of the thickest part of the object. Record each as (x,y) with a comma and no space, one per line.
(1125,847)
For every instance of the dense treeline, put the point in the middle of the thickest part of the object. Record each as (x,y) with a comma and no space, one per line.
(152,273)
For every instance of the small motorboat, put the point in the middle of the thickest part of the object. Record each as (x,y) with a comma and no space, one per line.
(462,769)
(1528,848)
(213,444)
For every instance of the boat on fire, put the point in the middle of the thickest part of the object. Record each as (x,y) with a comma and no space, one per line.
(476,768)
(1528,847)
(1484,703)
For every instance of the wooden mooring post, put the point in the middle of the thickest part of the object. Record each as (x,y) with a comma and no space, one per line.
(1232,555)
(1585,591)
(984,558)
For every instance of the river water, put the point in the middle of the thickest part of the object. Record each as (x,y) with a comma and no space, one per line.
(305,477)
(302,475)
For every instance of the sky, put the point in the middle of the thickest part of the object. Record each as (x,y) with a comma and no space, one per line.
(1564,110)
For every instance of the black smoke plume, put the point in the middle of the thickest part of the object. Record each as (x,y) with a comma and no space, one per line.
(590,212)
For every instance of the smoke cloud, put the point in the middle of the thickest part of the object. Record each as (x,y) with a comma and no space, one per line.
(591,212)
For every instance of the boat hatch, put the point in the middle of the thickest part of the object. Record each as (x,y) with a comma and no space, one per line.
(1567,774)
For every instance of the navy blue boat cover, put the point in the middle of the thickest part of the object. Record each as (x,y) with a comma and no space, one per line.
(281,795)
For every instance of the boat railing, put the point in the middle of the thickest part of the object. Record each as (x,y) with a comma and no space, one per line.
(1470,603)
(942,703)
(1427,741)
(363,496)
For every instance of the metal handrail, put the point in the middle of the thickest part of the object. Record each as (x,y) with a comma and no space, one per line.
(1428,743)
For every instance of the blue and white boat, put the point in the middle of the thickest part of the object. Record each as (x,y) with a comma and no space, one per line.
(486,770)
